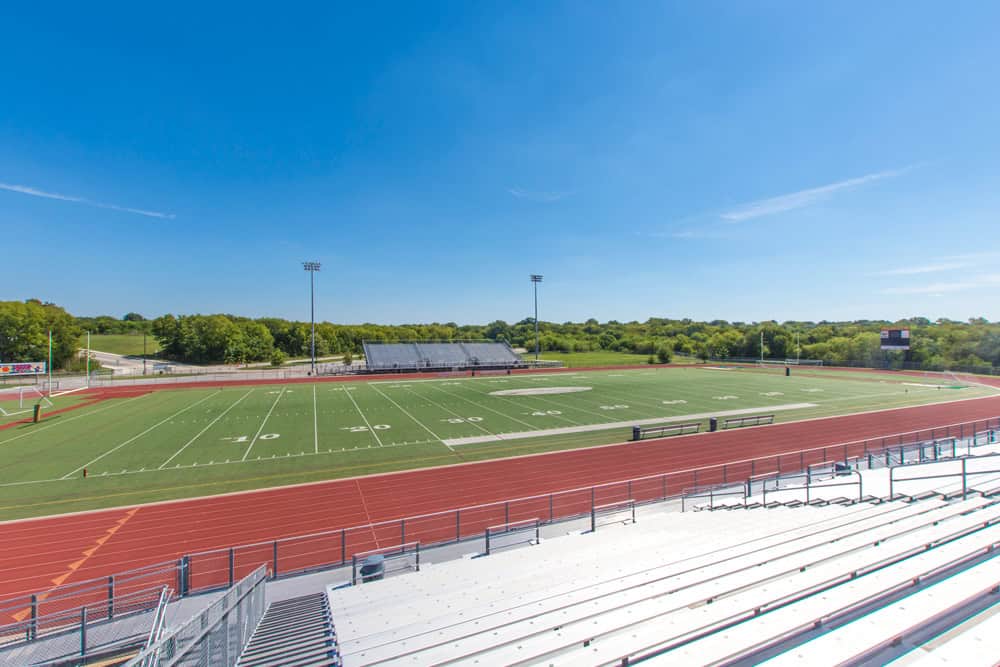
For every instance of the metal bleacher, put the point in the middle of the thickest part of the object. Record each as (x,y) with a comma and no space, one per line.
(691,588)
(439,355)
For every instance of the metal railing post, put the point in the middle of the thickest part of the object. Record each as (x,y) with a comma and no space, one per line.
(232,565)
(83,630)
(551,515)
(458,525)
(33,626)
(506,511)
(487,537)
(111,597)
(343,546)
(593,519)
(402,533)
(274,560)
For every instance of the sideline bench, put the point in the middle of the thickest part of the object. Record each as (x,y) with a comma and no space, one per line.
(752,420)
(638,433)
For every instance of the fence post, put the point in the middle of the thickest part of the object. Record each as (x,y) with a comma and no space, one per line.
(487,535)
(551,515)
(506,512)
(274,560)
(83,630)
(343,546)
(591,501)
(232,565)
(183,576)
(802,460)
(725,477)
(663,483)
(458,524)
(111,597)
(593,519)
(630,488)
(33,627)
(402,533)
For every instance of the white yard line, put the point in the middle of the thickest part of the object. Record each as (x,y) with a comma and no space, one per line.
(315,423)
(480,405)
(66,421)
(610,425)
(136,437)
(202,431)
(358,408)
(452,412)
(266,417)
(417,421)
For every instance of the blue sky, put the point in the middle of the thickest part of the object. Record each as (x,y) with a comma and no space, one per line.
(740,161)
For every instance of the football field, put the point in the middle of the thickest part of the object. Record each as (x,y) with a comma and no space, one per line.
(190,442)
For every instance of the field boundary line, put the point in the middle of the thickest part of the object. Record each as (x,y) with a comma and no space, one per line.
(586,428)
(202,431)
(480,405)
(263,424)
(136,437)
(417,421)
(365,419)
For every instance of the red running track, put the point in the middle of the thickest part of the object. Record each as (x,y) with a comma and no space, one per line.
(41,553)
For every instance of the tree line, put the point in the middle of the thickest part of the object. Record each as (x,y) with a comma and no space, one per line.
(223,338)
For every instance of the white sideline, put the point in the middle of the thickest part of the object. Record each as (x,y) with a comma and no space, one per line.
(451,442)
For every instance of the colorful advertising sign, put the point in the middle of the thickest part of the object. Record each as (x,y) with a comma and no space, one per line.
(23,368)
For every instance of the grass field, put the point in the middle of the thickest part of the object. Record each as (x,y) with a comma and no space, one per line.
(189,442)
(585,359)
(126,344)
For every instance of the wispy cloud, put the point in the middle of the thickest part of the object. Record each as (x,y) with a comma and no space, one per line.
(984,280)
(926,268)
(35,192)
(543,197)
(802,198)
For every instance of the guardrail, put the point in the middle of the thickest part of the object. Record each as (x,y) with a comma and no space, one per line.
(667,430)
(532,525)
(215,569)
(750,420)
(216,635)
(963,474)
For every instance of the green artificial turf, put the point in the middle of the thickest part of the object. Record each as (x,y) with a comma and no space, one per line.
(193,442)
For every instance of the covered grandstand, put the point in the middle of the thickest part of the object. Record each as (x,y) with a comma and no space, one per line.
(384,357)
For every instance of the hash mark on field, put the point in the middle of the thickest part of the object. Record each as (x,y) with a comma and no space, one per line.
(136,437)
(223,414)
(367,423)
(257,435)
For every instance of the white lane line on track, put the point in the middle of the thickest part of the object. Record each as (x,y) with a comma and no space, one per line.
(417,421)
(202,431)
(266,417)
(136,437)
(358,408)
(65,421)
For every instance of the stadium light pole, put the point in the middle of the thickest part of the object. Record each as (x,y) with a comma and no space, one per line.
(312,268)
(88,358)
(535,279)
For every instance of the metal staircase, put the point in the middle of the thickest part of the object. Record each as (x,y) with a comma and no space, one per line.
(297,632)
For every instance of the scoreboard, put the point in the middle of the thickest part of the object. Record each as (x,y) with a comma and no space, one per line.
(895,339)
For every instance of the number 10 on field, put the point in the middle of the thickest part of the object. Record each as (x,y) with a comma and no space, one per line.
(246,438)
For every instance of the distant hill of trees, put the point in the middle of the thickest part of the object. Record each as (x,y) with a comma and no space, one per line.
(221,338)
